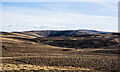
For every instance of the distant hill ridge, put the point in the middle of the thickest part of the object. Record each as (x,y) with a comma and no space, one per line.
(49,33)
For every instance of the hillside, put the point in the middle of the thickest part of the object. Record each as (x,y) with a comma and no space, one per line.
(59,51)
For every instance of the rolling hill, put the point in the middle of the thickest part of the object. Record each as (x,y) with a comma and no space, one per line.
(70,50)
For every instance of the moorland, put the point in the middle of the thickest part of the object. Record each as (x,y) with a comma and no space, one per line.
(60,51)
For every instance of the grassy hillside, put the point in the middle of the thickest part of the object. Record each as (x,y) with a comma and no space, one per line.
(24,52)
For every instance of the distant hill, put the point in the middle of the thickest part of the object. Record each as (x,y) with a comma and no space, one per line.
(73,33)
(93,31)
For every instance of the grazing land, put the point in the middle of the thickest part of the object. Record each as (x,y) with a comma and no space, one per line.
(60,51)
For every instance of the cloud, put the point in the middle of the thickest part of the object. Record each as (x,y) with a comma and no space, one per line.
(109,6)
(20,19)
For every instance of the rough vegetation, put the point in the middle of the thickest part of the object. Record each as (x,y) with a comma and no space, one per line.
(28,51)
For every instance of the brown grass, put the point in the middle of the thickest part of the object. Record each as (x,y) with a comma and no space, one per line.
(21,52)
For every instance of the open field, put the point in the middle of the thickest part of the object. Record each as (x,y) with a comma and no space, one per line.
(89,53)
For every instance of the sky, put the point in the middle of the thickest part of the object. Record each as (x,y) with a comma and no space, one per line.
(25,16)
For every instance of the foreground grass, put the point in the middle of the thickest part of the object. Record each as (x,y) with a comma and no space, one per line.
(47,63)
(29,67)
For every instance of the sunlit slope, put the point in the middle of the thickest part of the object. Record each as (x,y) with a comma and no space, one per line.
(14,44)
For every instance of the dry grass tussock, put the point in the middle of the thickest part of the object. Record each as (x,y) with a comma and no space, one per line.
(35,67)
